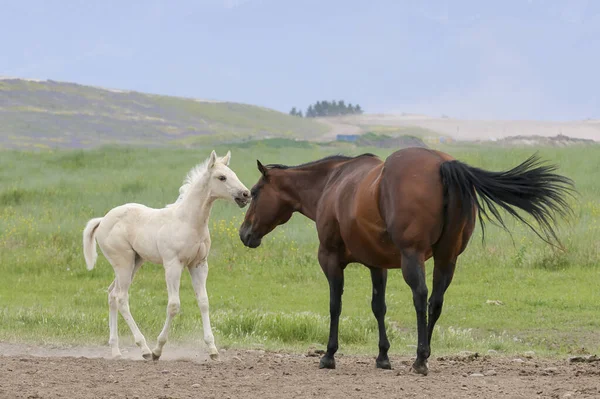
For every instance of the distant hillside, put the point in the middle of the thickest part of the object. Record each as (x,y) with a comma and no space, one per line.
(462,129)
(42,114)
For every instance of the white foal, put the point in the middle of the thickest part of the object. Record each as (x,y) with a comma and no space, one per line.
(176,236)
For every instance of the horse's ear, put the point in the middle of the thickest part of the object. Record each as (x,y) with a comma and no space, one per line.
(212,159)
(226,158)
(261,168)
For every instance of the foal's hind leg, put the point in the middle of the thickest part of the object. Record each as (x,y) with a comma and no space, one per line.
(379,279)
(413,271)
(113,314)
(173,271)
(124,267)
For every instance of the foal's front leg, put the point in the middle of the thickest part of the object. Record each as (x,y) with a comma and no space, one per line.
(173,271)
(199,274)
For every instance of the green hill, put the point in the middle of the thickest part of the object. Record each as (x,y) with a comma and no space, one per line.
(47,114)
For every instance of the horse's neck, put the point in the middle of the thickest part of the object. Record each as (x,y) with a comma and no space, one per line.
(197,203)
(308,185)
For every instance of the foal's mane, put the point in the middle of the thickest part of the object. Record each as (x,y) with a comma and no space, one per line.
(192,177)
(319,161)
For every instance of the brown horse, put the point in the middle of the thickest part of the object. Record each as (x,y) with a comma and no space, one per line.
(417,204)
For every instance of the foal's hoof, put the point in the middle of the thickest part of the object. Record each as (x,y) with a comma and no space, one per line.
(148,355)
(383,364)
(155,356)
(327,363)
(420,368)
(214,356)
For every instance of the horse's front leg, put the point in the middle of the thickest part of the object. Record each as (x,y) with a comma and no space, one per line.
(173,271)
(334,272)
(199,274)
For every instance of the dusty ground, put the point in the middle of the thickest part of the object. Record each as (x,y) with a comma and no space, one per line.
(47,373)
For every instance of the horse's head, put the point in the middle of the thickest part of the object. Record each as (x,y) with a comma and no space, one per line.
(270,207)
(224,183)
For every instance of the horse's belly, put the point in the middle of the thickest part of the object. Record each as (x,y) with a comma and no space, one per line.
(371,245)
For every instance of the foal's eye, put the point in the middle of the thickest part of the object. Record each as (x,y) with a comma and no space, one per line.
(222,178)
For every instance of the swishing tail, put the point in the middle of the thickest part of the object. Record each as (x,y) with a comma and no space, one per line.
(531,186)
(89,242)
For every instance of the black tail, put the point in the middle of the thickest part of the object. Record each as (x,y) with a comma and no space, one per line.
(530,186)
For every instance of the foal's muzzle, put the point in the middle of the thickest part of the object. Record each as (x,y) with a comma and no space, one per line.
(242,198)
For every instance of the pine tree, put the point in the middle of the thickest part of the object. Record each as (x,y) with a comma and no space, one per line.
(293,111)
(318,108)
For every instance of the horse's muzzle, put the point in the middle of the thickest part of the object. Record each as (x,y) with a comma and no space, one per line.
(248,238)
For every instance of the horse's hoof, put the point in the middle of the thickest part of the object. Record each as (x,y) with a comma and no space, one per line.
(420,368)
(118,356)
(148,356)
(214,356)
(155,356)
(383,364)
(327,363)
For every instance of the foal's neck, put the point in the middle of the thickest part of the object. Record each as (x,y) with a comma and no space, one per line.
(197,202)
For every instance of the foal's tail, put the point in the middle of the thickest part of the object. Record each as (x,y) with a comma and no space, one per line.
(89,242)
(531,186)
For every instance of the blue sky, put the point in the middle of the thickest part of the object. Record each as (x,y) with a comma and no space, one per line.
(509,59)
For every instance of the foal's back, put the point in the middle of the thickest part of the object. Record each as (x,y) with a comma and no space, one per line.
(132,227)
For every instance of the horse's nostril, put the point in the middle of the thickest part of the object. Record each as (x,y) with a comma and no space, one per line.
(246,194)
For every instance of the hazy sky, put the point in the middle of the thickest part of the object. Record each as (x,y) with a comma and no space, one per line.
(536,59)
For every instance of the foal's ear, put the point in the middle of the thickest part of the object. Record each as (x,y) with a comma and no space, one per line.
(226,158)
(261,168)
(212,159)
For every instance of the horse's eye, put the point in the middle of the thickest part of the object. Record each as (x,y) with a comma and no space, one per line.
(222,178)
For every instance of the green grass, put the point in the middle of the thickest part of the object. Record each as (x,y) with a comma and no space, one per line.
(276,296)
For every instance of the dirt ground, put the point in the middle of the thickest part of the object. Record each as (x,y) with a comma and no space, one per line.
(46,373)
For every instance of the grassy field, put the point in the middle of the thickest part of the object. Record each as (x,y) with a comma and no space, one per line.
(276,296)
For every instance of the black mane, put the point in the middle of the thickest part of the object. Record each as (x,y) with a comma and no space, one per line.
(318,161)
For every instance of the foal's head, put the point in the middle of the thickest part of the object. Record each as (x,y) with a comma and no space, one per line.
(223,182)
(270,207)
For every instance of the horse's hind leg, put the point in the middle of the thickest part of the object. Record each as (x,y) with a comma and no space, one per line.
(413,271)
(113,313)
(124,268)
(443,272)
(379,280)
